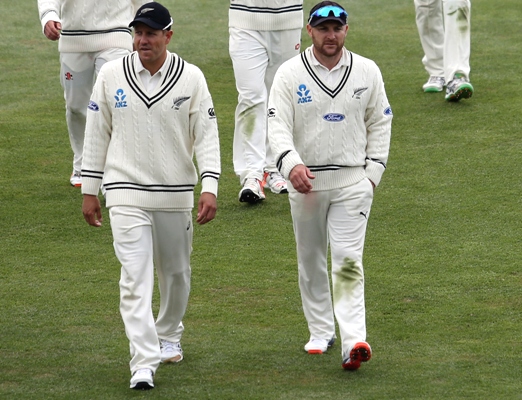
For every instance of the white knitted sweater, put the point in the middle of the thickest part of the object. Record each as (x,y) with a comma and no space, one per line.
(341,132)
(266,15)
(91,25)
(141,145)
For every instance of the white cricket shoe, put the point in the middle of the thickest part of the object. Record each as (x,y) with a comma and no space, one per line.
(434,84)
(142,380)
(276,182)
(76,179)
(318,346)
(458,88)
(171,352)
(252,191)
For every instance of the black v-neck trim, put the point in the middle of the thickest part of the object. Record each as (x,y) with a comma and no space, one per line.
(172,75)
(321,84)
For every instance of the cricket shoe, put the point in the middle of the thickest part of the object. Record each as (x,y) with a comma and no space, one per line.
(142,380)
(276,182)
(434,84)
(76,179)
(458,88)
(361,352)
(252,191)
(171,352)
(318,346)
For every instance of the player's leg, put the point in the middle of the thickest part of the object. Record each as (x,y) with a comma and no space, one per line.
(457,48)
(347,221)
(132,233)
(249,59)
(108,55)
(282,46)
(430,26)
(172,235)
(77,79)
(309,219)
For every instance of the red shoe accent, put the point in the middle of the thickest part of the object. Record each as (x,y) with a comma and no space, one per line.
(361,352)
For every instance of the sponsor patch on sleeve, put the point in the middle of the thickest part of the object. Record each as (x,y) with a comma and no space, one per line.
(388,111)
(93,106)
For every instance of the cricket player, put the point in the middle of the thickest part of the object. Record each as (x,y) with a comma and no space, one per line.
(149,114)
(89,33)
(263,34)
(445,33)
(329,125)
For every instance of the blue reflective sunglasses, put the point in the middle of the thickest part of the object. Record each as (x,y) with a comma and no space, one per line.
(325,11)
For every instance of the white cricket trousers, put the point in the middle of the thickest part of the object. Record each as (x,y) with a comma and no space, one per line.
(445,33)
(144,240)
(256,56)
(339,218)
(78,72)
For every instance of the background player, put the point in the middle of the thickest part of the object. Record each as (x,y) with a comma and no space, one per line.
(445,31)
(90,33)
(330,126)
(263,34)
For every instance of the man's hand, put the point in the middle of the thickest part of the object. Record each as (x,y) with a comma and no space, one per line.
(92,210)
(207,206)
(52,30)
(300,177)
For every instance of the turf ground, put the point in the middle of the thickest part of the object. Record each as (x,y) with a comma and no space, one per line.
(443,278)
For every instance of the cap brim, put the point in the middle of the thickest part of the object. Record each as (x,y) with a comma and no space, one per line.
(147,22)
(318,21)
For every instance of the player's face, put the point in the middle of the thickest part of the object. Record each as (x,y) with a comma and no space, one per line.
(328,38)
(151,45)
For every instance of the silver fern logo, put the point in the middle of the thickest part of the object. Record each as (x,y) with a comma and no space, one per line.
(178,101)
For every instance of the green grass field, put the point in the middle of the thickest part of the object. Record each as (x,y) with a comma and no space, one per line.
(443,277)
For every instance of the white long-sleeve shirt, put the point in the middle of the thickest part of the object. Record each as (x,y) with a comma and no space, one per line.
(341,132)
(91,25)
(266,15)
(142,144)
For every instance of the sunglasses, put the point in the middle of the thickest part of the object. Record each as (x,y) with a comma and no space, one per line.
(327,11)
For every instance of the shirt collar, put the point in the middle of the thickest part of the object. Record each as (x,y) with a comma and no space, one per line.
(140,68)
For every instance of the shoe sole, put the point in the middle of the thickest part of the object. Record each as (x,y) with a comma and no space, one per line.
(318,351)
(433,90)
(360,353)
(463,93)
(143,386)
(175,359)
(248,196)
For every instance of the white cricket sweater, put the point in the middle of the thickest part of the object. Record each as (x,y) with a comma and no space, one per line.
(266,15)
(91,25)
(141,146)
(342,133)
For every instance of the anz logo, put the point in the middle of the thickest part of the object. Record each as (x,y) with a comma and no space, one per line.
(120,99)
(304,95)
(333,117)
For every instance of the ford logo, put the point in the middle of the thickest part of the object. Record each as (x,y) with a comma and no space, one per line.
(332,117)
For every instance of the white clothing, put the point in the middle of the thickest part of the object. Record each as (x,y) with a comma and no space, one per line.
(77,76)
(341,132)
(306,117)
(140,146)
(445,32)
(263,34)
(144,240)
(338,218)
(93,32)
(266,15)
